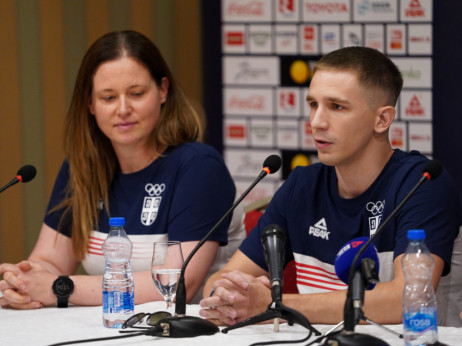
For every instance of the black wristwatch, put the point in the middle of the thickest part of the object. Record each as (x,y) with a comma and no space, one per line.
(63,288)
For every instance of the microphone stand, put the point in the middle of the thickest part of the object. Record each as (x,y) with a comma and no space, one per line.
(276,310)
(195,326)
(347,336)
(11,183)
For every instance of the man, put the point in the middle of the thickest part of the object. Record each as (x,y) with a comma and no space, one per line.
(359,181)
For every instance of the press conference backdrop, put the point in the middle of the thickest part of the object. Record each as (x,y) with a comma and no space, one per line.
(268,49)
(42,43)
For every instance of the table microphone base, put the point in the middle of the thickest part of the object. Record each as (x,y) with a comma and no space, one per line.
(186,327)
(276,310)
(353,339)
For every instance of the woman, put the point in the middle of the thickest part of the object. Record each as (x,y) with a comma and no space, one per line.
(131,140)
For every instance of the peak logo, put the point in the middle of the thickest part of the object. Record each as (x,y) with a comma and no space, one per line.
(319,230)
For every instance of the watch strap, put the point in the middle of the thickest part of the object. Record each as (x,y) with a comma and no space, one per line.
(63,287)
(63,302)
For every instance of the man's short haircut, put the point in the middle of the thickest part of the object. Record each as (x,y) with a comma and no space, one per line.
(373,69)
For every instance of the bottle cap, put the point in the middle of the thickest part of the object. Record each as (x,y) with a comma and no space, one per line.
(416,234)
(116,221)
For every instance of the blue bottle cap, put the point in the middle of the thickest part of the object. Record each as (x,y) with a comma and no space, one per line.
(116,221)
(416,234)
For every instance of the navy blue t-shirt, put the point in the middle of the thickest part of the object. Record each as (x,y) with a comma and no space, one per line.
(319,222)
(182,193)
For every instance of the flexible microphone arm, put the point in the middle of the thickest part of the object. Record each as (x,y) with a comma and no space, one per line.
(431,170)
(270,166)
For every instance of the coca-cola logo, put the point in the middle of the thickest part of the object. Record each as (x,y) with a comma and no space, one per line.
(253,102)
(252,8)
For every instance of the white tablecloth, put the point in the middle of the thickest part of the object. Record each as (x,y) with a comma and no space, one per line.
(52,325)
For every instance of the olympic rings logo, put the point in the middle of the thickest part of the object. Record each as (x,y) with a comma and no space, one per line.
(154,190)
(375,208)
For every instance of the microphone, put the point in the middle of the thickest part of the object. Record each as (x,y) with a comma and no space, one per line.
(273,241)
(366,271)
(346,254)
(197,325)
(25,174)
(431,170)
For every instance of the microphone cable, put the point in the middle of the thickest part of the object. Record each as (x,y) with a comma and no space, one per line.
(283,341)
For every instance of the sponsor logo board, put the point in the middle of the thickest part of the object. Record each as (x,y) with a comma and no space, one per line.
(246,11)
(251,70)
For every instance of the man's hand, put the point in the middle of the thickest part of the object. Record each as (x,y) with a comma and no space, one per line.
(236,297)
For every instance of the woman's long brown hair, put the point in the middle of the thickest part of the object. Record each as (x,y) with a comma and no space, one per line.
(91,158)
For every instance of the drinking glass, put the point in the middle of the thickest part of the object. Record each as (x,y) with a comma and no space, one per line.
(167,260)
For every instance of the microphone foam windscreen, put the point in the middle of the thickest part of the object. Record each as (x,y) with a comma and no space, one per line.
(347,253)
(433,168)
(273,162)
(27,173)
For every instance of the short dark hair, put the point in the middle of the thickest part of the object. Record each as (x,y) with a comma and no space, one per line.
(373,69)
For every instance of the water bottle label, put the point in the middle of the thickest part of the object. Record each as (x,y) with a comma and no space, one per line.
(118,302)
(420,322)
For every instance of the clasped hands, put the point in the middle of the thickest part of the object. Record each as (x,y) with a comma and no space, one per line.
(25,285)
(236,297)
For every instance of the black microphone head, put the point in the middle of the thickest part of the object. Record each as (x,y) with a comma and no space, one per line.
(271,230)
(27,173)
(273,163)
(432,169)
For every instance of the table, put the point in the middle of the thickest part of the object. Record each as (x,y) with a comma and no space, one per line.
(52,325)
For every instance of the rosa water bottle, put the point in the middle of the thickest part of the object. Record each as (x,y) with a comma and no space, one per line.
(419,300)
(118,285)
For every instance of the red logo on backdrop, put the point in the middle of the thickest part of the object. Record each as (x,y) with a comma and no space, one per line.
(235,38)
(286,6)
(236,131)
(397,135)
(287,100)
(414,107)
(327,7)
(415,9)
(396,39)
(253,8)
(419,39)
(421,138)
(308,33)
(253,102)
(308,129)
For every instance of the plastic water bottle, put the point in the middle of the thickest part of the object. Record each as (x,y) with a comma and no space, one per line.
(118,284)
(419,300)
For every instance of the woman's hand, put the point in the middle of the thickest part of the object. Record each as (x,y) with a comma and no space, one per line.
(26,285)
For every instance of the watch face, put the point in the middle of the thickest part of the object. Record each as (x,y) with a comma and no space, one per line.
(63,286)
